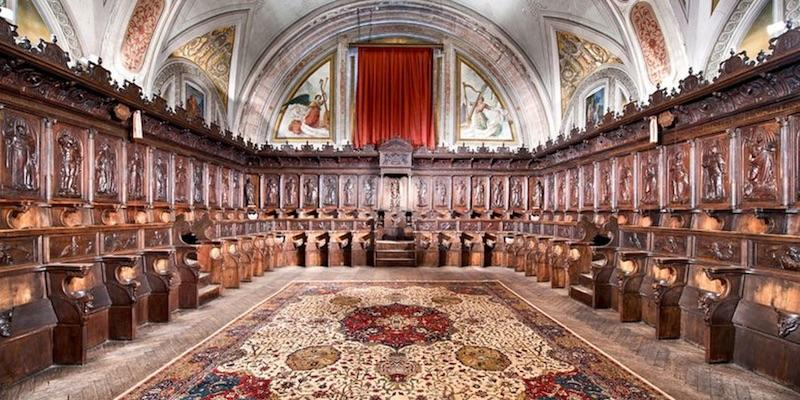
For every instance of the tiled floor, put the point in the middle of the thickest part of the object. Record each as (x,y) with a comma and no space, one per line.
(674,366)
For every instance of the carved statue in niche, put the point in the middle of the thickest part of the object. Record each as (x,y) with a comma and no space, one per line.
(516,193)
(226,186)
(497,192)
(761,180)
(22,160)
(71,159)
(136,175)
(461,193)
(369,191)
(394,193)
(160,172)
(272,191)
(106,167)
(605,178)
(625,177)
(588,186)
(347,191)
(573,193)
(249,192)
(538,194)
(650,179)
(181,178)
(290,188)
(310,191)
(212,184)
(480,193)
(422,193)
(236,189)
(198,183)
(680,177)
(331,195)
(440,195)
(713,173)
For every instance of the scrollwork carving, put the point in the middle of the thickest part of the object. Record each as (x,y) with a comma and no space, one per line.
(786,322)
(5,323)
(706,303)
(787,258)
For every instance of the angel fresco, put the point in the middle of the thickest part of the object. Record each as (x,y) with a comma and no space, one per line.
(307,113)
(482,115)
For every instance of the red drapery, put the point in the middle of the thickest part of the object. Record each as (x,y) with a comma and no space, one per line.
(394,96)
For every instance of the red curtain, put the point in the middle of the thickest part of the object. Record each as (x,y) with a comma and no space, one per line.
(394,96)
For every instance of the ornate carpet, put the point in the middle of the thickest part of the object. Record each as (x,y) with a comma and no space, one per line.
(394,340)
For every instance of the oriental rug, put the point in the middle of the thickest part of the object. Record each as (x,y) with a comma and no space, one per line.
(394,340)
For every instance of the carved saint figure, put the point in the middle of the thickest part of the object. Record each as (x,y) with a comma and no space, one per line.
(680,177)
(714,173)
(422,193)
(272,191)
(440,195)
(291,190)
(605,177)
(310,190)
(71,158)
(249,192)
(330,191)
(516,193)
(160,172)
(650,180)
(369,191)
(538,194)
(461,193)
(106,165)
(181,178)
(480,193)
(761,180)
(197,179)
(21,157)
(394,193)
(226,186)
(625,177)
(136,175)
(497,191)
(588,187)
(348,191)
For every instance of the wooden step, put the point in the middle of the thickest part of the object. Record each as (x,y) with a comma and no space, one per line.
(203,279)
(208,293)
(395,262)
(395,245)
(586,280)
(582,293)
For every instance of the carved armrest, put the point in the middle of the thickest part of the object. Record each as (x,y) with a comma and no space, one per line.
(122,277)
(718,307)
(70,290)
(668,289)
(159,265)
(630,268)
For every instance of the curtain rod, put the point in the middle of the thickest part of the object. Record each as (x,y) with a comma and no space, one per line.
(409,45)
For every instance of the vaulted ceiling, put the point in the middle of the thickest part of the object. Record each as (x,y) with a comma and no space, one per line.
(551,45)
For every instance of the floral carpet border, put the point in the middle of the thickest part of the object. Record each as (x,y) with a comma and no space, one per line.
(184,371)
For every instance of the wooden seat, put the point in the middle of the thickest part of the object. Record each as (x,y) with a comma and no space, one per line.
(129,290)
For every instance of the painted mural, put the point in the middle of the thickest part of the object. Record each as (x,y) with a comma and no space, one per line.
(595,106)
(482,115)
(577,59)
(212,52)
(307,115)
(140,31)
(654,47)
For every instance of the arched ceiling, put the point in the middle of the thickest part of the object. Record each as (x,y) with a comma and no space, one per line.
(697,35)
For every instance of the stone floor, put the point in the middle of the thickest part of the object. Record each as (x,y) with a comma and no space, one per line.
(674,366)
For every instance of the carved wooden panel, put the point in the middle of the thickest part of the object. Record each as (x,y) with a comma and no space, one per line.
(119,241)
(272,191)
(518,198)
(480,192)
(182,187)
(136,172)
(198,183)
(107,168)
(780,255)
(588,185)
(421,189)
(236,189)
(441,192)
(69,161)
(536,193)
(213,185)
(69,247)
(679,177)
(21,147)
(461,192)
(348,195)
(395,193)
(291,191)
(649,179)
(670,244)
(161,168)
(760,175)
(18,251)
(720,249)
(633,240)
(157,237)
(573,189)
(310,191)
(605,184)
(330,191)
(225,187)
(550,192)
(624,182)
(714,186)
(368,191)
(560,190)
(251,188)
(499,192)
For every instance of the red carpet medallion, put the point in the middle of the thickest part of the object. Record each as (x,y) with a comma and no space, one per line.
(398,340)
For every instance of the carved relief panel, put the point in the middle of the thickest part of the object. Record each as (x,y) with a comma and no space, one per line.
(349,191)
(20,174)
(560,189)
(421,189)
(18,251)
(499,192)
(649,179)
(213,184)
(461,195)
(69,161)
(291,191)
(330,191)
(624,182)
(714,159)
(252,188)
(573,189)
(679,177)
(107,168)
(588,185)
(198,185)
(760,175)
(272,191)
(480,192)
(517,193)
(310,191)
(182,186)
(225,187)
(395,193)
(136,172)
(441,192)
(536,192)
(369,190)
(550,192)
(236,189)
(160,176)
(605,189)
